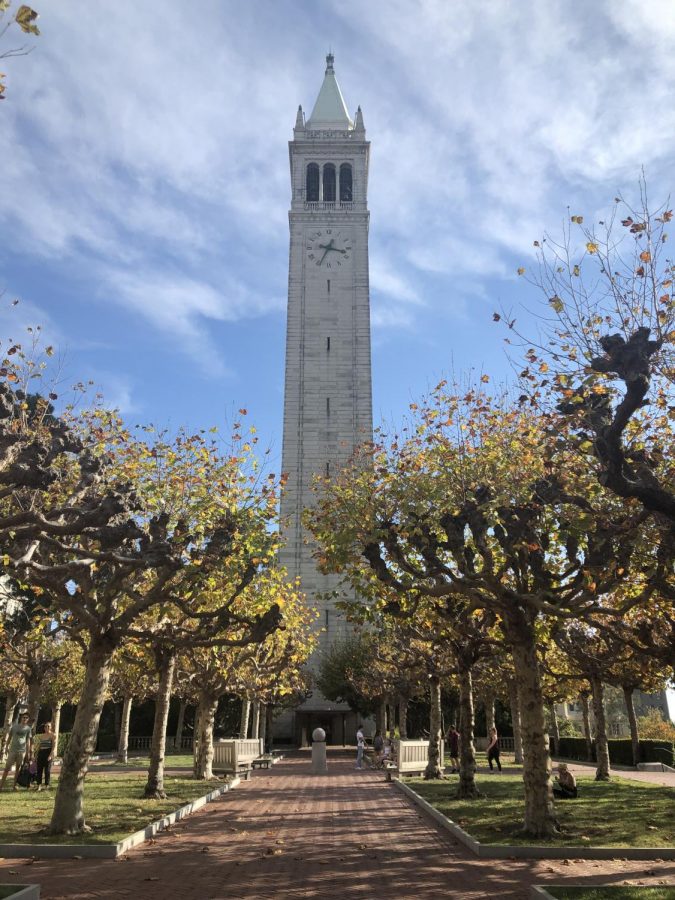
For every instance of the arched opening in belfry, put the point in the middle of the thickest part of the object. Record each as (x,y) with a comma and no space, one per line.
(345,183)
(312,191)
(329,183)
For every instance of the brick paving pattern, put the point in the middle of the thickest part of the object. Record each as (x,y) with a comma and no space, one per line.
(289,834)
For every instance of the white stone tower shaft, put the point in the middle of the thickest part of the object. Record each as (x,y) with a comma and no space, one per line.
(328,386)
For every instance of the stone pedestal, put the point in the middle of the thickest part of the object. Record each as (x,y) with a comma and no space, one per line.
(319,765)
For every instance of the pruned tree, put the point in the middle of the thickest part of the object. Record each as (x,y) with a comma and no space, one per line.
(482,501)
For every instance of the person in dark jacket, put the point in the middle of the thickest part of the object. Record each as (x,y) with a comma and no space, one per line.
(452,739)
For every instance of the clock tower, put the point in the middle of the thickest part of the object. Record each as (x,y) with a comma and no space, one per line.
(328,389)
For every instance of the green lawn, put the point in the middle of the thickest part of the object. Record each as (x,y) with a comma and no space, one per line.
(171,761)
(612,893)
(507,760)
(619,813)
(113,805)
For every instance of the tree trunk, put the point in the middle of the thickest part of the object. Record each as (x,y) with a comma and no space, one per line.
(434,767)
(34,685)
(245,712)
(466,789)
(56,728)
(602,773)
(123,745)
(177,741)
(269,727)
(68,815)
(117,722)
(632,721)
(206,717)
(586,715)
(255,715)
(555,729)
(380,716)
(391,717)
(403,718)
(489,707)
(10,706)
(514,702)
(539,813)
(166,666)
(263,724)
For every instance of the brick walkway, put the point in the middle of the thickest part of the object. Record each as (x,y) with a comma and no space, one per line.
(290,835)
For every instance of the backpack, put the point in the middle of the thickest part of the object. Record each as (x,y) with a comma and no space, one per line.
(23,779)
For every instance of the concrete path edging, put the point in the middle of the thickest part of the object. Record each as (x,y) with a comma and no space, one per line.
(112,851)
(516,851)
(25,892)
(537,891)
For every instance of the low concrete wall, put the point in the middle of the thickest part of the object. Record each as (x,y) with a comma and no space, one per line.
(23,891)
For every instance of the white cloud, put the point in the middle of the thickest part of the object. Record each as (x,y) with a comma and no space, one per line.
(144,148)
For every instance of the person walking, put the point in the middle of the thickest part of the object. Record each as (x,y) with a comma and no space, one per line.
(360,747)
(493,750)
(453,748)
(45,754)
(20,736)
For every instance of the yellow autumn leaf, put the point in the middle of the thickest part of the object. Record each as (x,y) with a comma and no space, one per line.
(25,16)
(521,271)
(591,247)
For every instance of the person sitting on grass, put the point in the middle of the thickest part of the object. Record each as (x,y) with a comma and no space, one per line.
(565,786)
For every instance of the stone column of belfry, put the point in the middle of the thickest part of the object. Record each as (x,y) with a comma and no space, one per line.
(328,385)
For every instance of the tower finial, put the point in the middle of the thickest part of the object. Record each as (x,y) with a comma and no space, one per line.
(330,59)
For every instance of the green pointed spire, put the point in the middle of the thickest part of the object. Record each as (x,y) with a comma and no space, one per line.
(330,110)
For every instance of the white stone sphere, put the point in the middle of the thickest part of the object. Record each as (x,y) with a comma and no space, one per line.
(318,734)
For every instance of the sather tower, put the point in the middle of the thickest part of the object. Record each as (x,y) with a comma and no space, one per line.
(328,389)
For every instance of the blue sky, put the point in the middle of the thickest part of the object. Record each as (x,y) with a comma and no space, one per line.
(144,188)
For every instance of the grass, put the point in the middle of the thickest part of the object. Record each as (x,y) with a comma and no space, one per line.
(612,893)
(114,808)
(619,813)
(507,760)
(6,890)
(171,761)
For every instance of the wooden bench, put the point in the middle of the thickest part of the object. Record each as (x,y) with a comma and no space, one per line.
(236,757)
(262,761)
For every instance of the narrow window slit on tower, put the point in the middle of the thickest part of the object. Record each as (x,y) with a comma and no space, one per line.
(328,283)
(326,620)
(328,407)
(327,345)
(327,470)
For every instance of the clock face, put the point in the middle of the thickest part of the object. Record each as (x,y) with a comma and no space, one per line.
(328,248)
